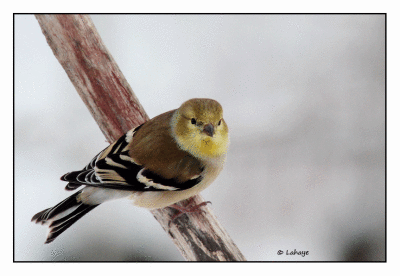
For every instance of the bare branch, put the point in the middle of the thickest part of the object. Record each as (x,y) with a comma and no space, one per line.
(103,88)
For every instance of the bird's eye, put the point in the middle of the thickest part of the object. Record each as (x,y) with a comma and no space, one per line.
(219,123)
(193,121)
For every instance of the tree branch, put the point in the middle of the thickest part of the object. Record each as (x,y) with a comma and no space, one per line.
(103,88)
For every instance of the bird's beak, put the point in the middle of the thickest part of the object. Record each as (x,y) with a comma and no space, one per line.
(209,130)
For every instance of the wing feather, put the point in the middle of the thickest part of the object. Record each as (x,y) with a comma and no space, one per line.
(114,168)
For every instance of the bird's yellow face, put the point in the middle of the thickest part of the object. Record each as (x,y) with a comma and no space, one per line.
(199,128)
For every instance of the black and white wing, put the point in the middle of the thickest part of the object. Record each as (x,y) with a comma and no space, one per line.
(113,168)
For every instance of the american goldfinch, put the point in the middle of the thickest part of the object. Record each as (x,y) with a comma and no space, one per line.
(167,159)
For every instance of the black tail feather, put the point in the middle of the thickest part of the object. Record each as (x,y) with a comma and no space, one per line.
(74,210)
(38,217)
(49,213)
(59,226)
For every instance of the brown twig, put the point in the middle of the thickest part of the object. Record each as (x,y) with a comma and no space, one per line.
(100,83)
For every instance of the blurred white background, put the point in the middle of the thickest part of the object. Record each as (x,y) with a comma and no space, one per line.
(303,95)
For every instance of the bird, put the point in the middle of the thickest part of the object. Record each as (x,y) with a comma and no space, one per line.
(167,159)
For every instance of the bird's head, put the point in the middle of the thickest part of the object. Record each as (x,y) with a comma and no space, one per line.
(199,128)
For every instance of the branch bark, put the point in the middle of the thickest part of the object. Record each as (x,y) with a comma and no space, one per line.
(103,88)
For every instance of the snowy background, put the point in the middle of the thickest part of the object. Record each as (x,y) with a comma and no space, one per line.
(303,95)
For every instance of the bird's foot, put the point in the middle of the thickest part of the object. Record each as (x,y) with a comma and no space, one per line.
(185,210)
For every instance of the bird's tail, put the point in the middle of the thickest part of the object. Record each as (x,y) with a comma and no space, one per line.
(63,215)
